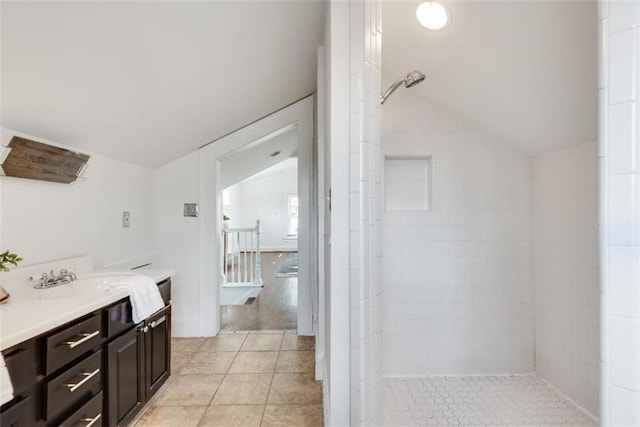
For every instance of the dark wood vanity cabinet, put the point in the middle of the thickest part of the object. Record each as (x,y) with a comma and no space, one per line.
(98,370)
(125,379)
(157,351)
(138,360)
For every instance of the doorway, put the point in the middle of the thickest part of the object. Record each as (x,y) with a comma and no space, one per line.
(259,290)
(296,119)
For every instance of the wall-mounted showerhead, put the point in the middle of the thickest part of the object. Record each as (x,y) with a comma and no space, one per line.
(410,80)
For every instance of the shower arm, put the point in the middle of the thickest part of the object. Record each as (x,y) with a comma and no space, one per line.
(391,89)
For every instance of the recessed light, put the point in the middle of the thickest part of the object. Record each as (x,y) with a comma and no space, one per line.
(433,15)
(275,153)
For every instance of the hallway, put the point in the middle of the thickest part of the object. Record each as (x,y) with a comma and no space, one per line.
(276,306)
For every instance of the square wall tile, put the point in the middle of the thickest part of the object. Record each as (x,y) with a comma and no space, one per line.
(624,210)
(625,407)
(623,60)
(623,15)
(623,138)
(624,281)
(625,353)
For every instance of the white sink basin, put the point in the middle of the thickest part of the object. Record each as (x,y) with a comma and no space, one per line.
(85,286)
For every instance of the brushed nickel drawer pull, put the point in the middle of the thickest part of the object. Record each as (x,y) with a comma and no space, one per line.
(91,421)
(85,337)
(158,322)
(87,377)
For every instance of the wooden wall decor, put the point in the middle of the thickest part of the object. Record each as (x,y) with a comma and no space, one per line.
(36,160)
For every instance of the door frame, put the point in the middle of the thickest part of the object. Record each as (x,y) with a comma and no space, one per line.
(300,116)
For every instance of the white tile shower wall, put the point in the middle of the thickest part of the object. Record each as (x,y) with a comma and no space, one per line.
(457,280)
(566,272)
(619,218)
(364,213)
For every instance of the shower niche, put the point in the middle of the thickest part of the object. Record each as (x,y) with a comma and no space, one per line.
(408,183)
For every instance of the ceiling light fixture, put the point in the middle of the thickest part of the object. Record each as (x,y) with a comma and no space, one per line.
(433,15)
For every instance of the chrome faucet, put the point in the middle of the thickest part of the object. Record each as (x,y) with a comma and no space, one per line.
(65,274)
(50,280)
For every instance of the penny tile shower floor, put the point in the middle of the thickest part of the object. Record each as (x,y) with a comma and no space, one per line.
(256,378)
(478,401)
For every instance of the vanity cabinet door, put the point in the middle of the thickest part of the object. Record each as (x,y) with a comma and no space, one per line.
(125,373)
(158,350)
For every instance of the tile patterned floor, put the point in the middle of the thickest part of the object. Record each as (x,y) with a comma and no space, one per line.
(478,401)
(255,378)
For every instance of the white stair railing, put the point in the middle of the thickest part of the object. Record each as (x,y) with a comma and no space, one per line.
(241,261)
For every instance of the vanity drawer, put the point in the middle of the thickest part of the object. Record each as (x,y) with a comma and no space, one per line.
(90,414)
(165,291)
(72,342)
(75,384)
(22,364)
(119,318)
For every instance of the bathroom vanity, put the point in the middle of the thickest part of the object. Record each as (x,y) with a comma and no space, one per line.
(81,360)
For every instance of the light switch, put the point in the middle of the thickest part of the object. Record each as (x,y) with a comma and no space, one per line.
(126,219)
(191,209)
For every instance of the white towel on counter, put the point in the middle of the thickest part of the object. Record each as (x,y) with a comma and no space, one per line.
(144,295)
(6,388)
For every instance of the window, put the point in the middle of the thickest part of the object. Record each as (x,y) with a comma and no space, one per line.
(292,209)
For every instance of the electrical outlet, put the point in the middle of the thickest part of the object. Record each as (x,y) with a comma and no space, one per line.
(126,219)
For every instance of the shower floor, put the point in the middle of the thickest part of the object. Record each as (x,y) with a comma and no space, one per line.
(478,401)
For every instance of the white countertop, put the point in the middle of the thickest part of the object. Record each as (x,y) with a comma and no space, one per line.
(31,312)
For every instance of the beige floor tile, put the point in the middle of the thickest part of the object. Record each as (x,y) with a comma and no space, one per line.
(267,332)
(187,390)
(243,389)
(186,345)
(229,342)
(254,362)
(232,415)
(294,342)
(300,388)
(290,331)
(292,415)
(179,416)
(296,361)
(267,342)
(209,363)
(178,360)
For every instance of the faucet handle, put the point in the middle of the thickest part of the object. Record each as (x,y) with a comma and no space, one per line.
(41,277)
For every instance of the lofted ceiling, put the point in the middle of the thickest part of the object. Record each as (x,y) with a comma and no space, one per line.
(524,71)
(147,82)
(260,156)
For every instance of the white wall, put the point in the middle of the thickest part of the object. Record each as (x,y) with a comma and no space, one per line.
(619,151)
(179,239)
(566,272)
(265,198)
(457,280)
(45,221)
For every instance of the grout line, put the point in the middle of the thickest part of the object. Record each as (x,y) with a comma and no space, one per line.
(270,385)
